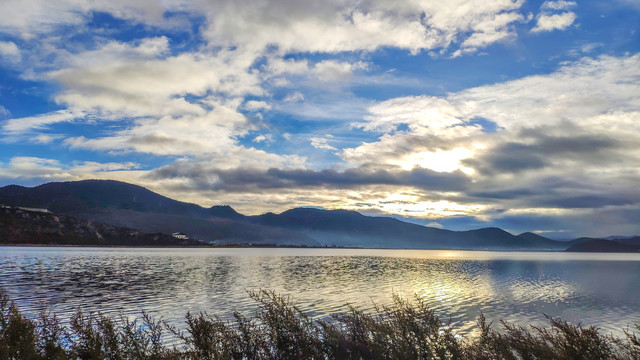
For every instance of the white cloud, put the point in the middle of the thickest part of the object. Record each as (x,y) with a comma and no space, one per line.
(490,31)
(46,138)
(584,92)
(560,140)
(19,126)
(263,138)
(558,5)
(4,112)
(334,105)
(254,105)
(175,105)
(321,143)
(331,70)
(294,97)
(587,48)
(30,18)
(347,26)
(209,133)
(583,49)
(92,166)
(548,22)
(165,102)
(54,170)
(115,53)
(26,18)
(156,87)
(280,66)
(10,51)
(290,25)
(579,92)
(419,111)
(325,70)
(554,16)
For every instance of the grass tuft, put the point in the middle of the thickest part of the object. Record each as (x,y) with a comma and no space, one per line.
(280,330)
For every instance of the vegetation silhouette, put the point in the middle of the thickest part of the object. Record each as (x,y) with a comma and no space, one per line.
(279,330)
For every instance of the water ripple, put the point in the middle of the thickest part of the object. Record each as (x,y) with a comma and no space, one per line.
(458,285)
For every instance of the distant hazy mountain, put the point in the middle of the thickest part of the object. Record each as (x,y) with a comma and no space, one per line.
(350,228)
(132,206)
(621,237)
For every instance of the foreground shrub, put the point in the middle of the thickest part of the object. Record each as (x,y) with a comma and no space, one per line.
(404,330)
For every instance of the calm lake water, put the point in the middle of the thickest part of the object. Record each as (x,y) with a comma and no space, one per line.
(520,287)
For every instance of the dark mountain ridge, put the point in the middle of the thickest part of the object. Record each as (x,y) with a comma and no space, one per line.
(132,206)
(19,226)
(604,245)
(87,195)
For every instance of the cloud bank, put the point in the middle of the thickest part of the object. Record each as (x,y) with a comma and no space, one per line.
(268,105)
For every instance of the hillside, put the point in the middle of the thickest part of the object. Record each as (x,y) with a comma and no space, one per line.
(126,205)
(94,195)
(604,245)
(24,227)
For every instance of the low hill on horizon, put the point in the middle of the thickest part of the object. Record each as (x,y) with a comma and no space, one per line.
(131,206)
(632,245)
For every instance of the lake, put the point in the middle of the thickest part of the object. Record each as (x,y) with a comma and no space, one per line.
(520,287)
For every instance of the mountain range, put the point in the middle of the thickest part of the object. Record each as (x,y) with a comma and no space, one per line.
(133,207)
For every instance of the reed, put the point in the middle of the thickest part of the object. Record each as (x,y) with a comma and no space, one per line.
(279,330)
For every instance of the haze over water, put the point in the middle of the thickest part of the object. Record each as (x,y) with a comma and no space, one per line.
(596,289)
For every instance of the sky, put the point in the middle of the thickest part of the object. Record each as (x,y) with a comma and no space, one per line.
(458,114)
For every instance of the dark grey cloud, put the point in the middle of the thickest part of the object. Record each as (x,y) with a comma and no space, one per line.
(153,140)
(509,157)
(585,145)
(244,179)
(542,151)
(570,192)
(586,201)
(527,188)
(502,194)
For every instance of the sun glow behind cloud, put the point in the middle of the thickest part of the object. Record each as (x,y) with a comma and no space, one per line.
(468,112)
(413,206)
(439,160)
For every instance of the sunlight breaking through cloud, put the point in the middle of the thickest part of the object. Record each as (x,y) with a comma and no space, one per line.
(485,112)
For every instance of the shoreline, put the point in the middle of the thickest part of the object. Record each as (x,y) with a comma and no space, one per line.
(245,246)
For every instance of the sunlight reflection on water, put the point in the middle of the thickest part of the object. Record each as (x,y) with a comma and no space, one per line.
(599,289)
